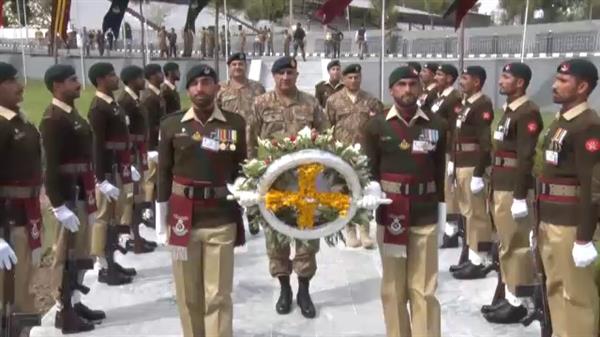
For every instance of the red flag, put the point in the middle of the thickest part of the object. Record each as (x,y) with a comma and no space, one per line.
(1,13)
(461,7)
(331,9)
(60,18)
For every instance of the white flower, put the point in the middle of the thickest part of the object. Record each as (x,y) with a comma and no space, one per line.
(287,140)
(305,133)
(338,145)
(357,148)
(265,143)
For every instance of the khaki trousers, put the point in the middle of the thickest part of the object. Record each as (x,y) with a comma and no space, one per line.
(474,208)
(150,181)
(412,280)
(304,263)
(80,241)
(516,261)
(449,191)
(108,214)
(23,272)
(572,292)
(204,282)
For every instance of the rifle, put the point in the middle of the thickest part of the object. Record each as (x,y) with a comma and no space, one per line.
(499,293)
(13,323)
(541,311)
(113,232)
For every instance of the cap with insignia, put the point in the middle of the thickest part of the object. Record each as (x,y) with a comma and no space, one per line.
(580,68)
(402,73)
(333,63)
(476,71)
(152,69)
(352,69)
(520,70)
(432,66)
(201,70)
(448,69)
(236,57)
(58,73)
(130,73)
(98,70)
(282,63)
(7,71)
(170,66)
(415,65)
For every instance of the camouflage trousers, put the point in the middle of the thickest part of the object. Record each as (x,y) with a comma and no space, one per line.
(304,262)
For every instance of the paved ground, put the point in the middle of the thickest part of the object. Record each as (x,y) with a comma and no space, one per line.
(345,291)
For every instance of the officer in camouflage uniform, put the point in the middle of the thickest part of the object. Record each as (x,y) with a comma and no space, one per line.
(406,151)
(429,93)
(279,113)
(168,89)
(324,89)
(201,150)
(567,217)
(515,139)
(348,111)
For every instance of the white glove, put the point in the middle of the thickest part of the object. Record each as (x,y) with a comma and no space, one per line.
(8,258)
(162,211)
(519,208)
(153,156)
(67,218)
(135,174)
(531,238)
(450,169)
(372,196)
(110,191)
(477,185)
(584,254)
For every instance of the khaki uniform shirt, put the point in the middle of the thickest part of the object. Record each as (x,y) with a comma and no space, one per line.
(239,100)
(324,89)
(348,115)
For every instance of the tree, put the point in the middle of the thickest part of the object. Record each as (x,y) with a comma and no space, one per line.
(554,10)
(265,9)
(391,15)
(38,13)
(158,13)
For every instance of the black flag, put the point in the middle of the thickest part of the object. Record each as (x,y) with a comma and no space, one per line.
(194,9)
(114,17)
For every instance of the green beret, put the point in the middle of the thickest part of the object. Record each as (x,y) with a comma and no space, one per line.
(201,70)
(415,65)
(520,70)
(98,70)
(333,63)
(7,71)
(448,69)
(152,69)
(131,73)
(236,57)
(476,71)
(58,73)
(580,68)
(285,62)
(401,73)
(170,66)
(352,69)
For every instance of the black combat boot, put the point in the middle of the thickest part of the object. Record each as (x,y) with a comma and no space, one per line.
(449,241)
(69,322)
(506,314)
(472,272)
(488,308)
(303,299)
(284,303)
(85,312)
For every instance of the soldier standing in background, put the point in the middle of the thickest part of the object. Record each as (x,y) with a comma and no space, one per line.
(114,173)
(338,36)
(287,39)
(168,89)
(172,43)
(211,42)
(67,140)
(299,36)
(101,42)
(222,40)
(515,139)
(272,117)
(361,41)
(348,111)
(242,39)
(427,75)
(324,89)
(471,157)
(162,42)
(203,42)
(567,217)
(270,51)
(203,225)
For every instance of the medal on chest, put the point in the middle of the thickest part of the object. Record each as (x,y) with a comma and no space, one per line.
(555,146)
(426,141)
(502,130)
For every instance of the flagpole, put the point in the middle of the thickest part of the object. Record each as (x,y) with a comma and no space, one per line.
(81,49)
(226,32)
(291,14)
(524,31)
(143,21)
(24,61)
(381,55)
(461,46)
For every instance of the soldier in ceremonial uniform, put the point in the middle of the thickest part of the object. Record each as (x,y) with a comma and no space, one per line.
(68,142)
(348,112)
(201,150)
(129,100)
(324,89)
(429,93)
(567,218)
(237,94)
(278,113)
(20,182)
(512,186)
(168,89)
(114,173)
(471,147)
(155,108)
(446,104)
(406,148)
